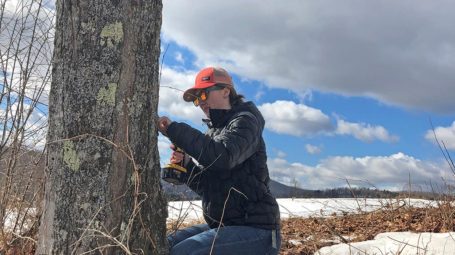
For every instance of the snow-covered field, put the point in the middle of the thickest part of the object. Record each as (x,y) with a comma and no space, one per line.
(403,243)
(394,243)
(192,211)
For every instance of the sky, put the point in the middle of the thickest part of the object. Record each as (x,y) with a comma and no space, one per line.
(16,29)
(349,90)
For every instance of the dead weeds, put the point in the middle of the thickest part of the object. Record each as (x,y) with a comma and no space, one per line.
(307,235)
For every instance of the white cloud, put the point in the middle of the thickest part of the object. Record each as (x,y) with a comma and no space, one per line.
(391,172)
(313,149)
(281,154)
(179,57)
(364,132)
(33,124)
(443,134)
(287,117)
(259,95)
(18,60)
(399,52)
(173,83)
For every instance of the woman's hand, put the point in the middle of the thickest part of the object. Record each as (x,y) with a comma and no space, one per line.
(177,157)
(163,124)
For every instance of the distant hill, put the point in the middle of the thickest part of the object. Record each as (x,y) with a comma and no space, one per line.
(182,192)
(279,190)
(283,191)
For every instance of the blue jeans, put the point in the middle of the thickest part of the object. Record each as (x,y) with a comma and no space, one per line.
(198,239)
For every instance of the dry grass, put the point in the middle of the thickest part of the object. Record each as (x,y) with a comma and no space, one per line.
(307,235)
(24,243)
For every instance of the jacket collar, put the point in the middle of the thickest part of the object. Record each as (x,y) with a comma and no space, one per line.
(218,117)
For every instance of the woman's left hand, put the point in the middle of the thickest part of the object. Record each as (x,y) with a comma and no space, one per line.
(163,124)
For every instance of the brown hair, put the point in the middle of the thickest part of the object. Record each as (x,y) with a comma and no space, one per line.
(234,98)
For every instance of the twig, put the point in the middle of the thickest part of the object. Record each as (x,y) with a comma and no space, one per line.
(25,237)
(353,195)
(162,61)
(415,246)
(119,244)
(222,215)
(444,152)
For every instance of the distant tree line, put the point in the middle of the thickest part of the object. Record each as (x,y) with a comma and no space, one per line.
(363,192)
(183,193)
(343,192)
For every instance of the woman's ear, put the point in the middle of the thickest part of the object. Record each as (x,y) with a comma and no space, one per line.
(226,92)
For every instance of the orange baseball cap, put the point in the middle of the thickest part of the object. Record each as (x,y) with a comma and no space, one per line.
(208,77)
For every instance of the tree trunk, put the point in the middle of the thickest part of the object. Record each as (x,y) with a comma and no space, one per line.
(103,191)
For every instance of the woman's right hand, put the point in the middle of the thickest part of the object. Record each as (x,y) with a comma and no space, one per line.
(177,156)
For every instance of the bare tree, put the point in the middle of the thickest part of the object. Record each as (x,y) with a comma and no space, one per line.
(102,191)
(26,29)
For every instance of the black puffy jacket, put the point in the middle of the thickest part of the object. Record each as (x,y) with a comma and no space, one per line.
(230,172)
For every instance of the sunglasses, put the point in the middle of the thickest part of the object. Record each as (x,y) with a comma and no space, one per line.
(203,94)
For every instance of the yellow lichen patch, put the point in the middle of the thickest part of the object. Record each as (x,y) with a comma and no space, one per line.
(112,34)
(70,156)
(107,95)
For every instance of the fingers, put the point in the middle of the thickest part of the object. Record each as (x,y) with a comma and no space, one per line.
(163,124)
(177,157)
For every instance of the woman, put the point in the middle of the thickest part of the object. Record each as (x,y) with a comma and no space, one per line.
(227,168)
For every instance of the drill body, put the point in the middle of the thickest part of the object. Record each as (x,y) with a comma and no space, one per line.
(175,173)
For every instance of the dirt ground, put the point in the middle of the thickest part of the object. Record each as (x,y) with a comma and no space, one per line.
(307,235)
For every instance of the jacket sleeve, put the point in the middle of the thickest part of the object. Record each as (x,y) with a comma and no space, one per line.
(195,178)
(236,143)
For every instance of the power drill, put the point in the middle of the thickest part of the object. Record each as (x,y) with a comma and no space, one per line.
(175,173)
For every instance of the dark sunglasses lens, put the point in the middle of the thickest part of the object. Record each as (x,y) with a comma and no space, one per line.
(203,95)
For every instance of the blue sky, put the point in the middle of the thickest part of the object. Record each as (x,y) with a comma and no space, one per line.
(347,88)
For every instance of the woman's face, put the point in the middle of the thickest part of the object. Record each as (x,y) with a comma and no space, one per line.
(216,99)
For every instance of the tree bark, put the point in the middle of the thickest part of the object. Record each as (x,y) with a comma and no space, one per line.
(103,191)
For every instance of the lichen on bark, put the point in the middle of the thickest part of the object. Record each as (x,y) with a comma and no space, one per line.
(112,34)
(70,156)
(106,96)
